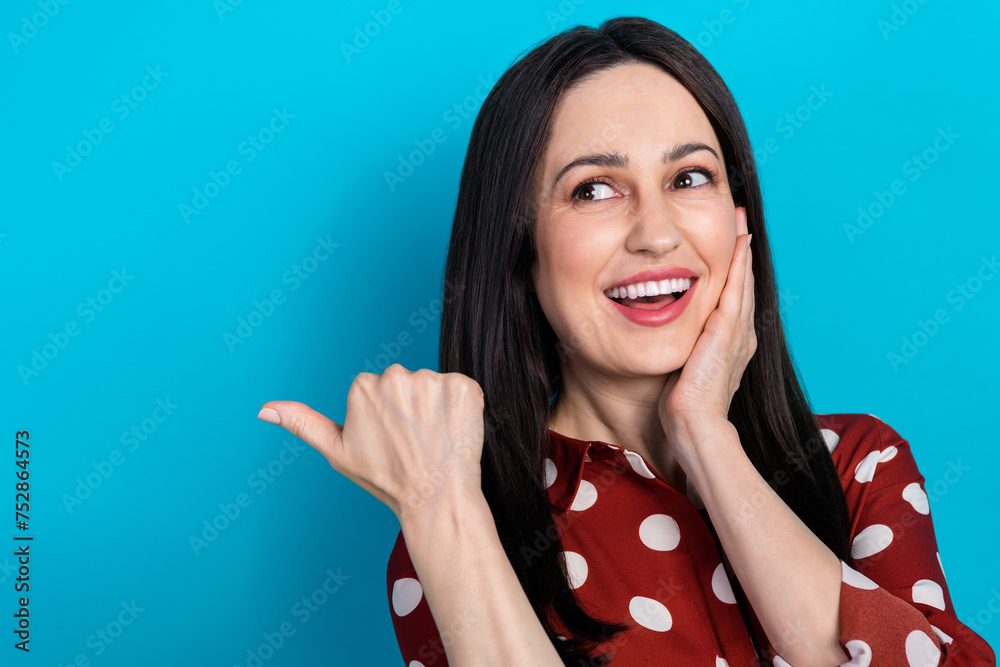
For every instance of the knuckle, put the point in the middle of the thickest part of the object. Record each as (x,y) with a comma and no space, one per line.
(425,377)
(358,386)
(363,381)
(299,425)
(395,369)
(469,386)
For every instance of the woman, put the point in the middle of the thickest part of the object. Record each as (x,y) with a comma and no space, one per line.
(648,482)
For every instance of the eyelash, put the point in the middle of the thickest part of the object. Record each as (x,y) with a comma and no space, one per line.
(707,173)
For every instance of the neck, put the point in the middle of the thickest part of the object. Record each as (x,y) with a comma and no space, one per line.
(619,411)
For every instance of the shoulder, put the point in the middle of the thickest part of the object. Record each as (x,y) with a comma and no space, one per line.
(862,445)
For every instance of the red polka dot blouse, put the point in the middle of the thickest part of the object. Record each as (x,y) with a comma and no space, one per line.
(641,552)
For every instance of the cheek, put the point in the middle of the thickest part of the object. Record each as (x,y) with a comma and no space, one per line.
(570,266)
(572,260)
(713,238)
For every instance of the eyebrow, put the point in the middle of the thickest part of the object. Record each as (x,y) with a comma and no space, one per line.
(620,161)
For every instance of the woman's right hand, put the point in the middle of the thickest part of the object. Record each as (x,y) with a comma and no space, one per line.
(409,437)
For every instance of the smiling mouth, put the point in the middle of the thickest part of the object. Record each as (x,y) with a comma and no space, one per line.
(651,295)
(649,302)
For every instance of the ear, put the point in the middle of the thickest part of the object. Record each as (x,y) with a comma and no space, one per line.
(741,221)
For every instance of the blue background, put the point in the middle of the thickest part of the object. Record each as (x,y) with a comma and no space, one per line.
(849,300)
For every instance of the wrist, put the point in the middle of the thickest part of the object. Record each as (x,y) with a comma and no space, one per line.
(696,432)
(701,443)
(452,503)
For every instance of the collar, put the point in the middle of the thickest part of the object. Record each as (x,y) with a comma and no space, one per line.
(567,456)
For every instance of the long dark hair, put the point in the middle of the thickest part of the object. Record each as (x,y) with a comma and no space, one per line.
(494,331)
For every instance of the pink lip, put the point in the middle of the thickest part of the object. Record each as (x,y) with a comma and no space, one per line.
(655,318)
(655,274)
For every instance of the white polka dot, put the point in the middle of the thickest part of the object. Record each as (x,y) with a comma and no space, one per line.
(585,497)
(638,464)
(550,472)
(780,662)
(830,437)
(942,567)
(928,592)
(659,532)
(415,663)
(693,495)
(871,540)
(852,577)
(586,457)
(942,635)
(650,614)
(406,595)
(921,651)
(721,585)
(721,662)
(861,654)
(577,568)
(914,495)
(865,471)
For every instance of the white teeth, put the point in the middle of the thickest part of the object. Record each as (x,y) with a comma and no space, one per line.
(650,288)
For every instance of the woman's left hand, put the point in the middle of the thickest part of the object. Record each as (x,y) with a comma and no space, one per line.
(702,390)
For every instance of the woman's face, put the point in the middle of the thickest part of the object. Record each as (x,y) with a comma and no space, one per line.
(645,189)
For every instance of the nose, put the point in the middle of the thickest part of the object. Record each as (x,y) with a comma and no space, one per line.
(654,227)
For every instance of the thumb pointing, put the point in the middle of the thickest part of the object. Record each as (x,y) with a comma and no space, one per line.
(319,432)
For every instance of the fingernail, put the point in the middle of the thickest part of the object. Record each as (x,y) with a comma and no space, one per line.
(269,415)
(749,236)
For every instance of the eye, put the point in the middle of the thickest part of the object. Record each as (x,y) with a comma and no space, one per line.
(693,178)
(593,191)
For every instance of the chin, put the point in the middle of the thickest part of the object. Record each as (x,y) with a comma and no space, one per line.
(664,365)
